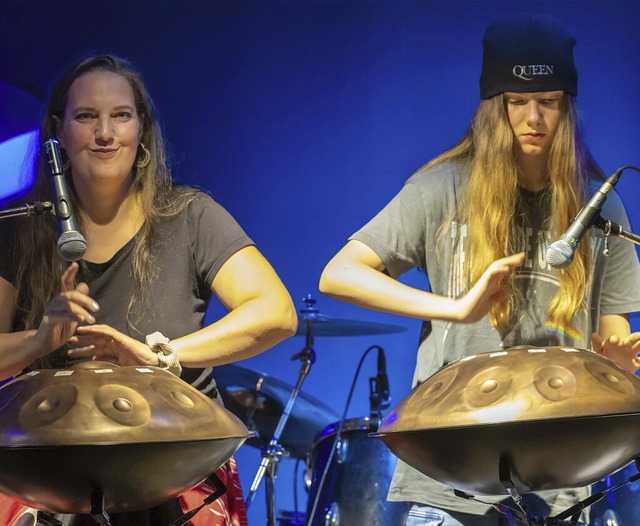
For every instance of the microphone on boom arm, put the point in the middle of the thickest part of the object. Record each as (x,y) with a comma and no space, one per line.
(71,244)
(560,253)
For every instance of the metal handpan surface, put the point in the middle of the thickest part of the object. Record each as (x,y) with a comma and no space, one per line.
(552,417)
(139,435)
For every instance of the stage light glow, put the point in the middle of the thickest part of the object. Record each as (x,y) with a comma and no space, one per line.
(16,165)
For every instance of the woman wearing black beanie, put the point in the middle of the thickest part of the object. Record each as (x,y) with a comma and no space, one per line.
(478,220)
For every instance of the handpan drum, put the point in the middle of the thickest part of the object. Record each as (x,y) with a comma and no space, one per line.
(135,436)
(529,418)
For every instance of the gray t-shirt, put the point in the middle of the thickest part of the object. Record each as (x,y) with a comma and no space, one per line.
(418,229)
(192,247)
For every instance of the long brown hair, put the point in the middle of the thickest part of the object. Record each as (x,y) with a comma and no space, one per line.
(489,146)
(38,265)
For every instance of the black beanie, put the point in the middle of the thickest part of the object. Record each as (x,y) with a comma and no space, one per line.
(527,54)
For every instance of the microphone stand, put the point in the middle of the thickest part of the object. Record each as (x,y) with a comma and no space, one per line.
(614,229)
(33,209)
(274,451)
(609,227)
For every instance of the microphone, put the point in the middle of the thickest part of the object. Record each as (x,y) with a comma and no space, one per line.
(380,394)
(383,380)
(379,386)
(71,244)
(561,252)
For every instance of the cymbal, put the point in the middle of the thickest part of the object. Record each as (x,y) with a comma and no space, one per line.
(537,418)
(259,401)
(322,325)
(136,435)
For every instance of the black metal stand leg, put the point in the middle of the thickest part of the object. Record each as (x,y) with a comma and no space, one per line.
(221,489)
(274,451)
(504,472)
(34,517)
(46,519)
(575,511)
(97,508)
(271,494)
(522,516)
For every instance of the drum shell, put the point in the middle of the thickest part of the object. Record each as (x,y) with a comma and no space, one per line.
(620,507)
(357,480)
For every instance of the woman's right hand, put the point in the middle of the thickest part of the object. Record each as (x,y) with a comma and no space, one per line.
(63,314)
(477,303)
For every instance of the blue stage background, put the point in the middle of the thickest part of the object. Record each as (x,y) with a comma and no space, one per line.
(304,118)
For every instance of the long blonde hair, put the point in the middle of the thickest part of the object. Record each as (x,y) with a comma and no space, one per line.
(38,266)
(489,146)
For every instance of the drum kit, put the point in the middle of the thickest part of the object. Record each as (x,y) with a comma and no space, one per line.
(288,422)
(98,438)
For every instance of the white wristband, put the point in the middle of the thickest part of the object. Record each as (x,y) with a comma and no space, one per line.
(167,355)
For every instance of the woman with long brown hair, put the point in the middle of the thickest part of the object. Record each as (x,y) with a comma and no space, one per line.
(156,253)
(478,219)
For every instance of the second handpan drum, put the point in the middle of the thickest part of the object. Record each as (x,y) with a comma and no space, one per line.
(537,418)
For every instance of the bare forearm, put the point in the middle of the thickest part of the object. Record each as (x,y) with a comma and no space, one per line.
(367,287)
(17,351)
(248,330)
(356,275)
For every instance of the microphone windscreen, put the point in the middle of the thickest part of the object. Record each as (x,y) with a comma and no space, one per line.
(71,245)
(559,254)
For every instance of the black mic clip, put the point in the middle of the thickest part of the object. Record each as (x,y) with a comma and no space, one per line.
(30,209)
(611,228)
(379,397)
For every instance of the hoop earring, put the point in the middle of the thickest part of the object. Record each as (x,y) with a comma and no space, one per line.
(141,163)
(66,163)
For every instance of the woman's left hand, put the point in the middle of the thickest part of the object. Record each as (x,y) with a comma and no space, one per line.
(623,351)
(103,342)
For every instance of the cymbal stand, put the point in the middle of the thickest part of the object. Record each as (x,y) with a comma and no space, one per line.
(274,451)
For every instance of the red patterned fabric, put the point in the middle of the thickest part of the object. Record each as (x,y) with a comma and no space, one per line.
(228,510)
(11,510)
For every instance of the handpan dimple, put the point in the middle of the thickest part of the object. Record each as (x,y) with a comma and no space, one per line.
(610,377)
(555,382)
(438,390)
(488,386)
(122,404)
(48,405)
(182,399)
(176,397)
